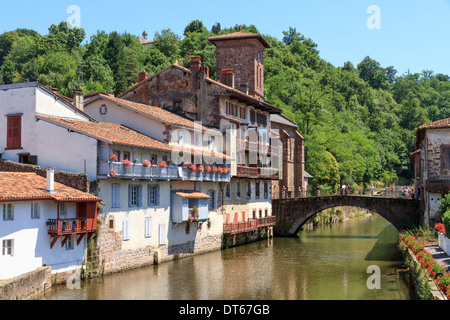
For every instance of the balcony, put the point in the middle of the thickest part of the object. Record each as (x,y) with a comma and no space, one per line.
(264,148)
(187,174)
(257,173)
(153,172)
(251,225)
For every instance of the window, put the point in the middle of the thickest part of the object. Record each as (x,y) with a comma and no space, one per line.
(103,109)
(148,227)
(125,230)
(445,156)
(211,204)
(126,155)
(153,195)
(8,212)
(154,159)
(249,190)
(257,190)
(238,190)
(69,243)
(266,190)
(14,132)
(135,195)
(34,210)
(7,247)
(212,141)
(62,209)
(252,116)
(227,191)
(115,194)
(162,234)
(180,138)
(117,153)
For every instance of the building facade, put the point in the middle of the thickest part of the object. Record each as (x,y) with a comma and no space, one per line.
(432,166)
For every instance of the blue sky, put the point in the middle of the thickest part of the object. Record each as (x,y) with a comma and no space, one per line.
(413,35)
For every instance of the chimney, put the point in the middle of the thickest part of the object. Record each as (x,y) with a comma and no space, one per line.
(143,75)
(196,63)
(50,180)
(78,99)
(228,77)
(144,35)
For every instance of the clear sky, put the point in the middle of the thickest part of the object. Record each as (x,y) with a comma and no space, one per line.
(409,34)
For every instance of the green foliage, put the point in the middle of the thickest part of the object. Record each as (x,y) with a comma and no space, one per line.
(359,121)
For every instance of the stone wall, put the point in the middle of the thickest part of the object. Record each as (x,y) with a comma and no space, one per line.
(112,258)
(74,180)
(27,285)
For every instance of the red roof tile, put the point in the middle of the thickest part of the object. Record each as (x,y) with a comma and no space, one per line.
(21,186)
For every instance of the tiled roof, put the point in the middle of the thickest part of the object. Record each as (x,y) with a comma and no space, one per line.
(111,132)
(240,35)
(191,194)
(21,186)
(119,134)
(440,124)
(156,113)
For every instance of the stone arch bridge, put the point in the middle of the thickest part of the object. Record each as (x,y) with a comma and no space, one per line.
(292,214)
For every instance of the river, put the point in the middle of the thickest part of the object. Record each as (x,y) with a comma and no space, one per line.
(329,262)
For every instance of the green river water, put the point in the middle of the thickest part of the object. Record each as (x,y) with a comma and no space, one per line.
(329,262)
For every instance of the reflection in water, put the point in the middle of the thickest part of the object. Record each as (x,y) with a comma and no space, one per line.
(327,263)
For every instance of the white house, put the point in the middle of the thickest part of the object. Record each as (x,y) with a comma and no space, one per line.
(43,223)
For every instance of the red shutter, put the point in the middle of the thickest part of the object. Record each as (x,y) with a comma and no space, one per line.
(14,132)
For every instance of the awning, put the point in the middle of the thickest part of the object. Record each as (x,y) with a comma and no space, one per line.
(191,194)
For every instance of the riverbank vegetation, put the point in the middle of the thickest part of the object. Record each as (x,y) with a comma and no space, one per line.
(336,215)
(422,266)
(358,120)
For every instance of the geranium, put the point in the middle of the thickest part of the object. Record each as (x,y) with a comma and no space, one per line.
(112,173)
(200,168)
(208,168)
(162,164)
(220,170)
(214,169)
(126,163)
(145,163)
(135,160)
(440,227)
(192,167)
(113,157)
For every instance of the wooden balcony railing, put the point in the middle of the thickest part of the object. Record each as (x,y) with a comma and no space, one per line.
(255,172)
(252,224)
(70,226)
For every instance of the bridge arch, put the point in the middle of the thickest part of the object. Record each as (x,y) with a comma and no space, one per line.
(292,214)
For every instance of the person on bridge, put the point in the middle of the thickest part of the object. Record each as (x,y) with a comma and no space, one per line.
(343,190)
(372,189)
(318,190)
(392,191)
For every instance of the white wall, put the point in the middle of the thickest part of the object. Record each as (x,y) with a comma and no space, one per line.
(31,242)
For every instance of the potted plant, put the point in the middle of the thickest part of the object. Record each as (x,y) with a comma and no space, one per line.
(135,161)
(192,167)
(126,163)
(113,157)
(145,163)
(112,173)
(162,164)
(200,168)
(440,228)
(207,168)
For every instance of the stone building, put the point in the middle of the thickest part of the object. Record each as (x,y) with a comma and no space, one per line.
(432,166)
(233,104)
(292,171)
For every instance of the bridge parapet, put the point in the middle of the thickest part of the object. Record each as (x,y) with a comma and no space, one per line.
(293,213)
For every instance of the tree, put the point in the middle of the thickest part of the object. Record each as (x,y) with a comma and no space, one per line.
(194,26)
(371,71)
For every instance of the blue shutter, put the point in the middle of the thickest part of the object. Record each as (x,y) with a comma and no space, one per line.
(148,227)
(139,195)
(157,194)
(115,195)
(129,194)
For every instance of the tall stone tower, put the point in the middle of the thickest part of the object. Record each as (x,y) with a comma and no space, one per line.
(240,62)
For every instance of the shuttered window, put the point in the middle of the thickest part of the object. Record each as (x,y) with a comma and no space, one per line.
(135,195)
(14,132)
(148,227)
(162,234)
(126,230)
(153,195)
(115,201)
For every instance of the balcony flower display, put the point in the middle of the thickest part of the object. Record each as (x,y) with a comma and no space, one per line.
(192,167)
(113,157)
(162,164)
(195,210)
(145,163)
(126,163)
(440,227)
(226,169)
(182,164)
(112,173)
(200,168)
(220,169)
(208,168)
(135,160)
(214,169)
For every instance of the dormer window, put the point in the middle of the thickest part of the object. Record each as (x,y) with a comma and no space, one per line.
(103,109)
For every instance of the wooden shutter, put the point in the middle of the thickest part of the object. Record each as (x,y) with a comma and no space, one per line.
(14,132)
(115,195)
(148,227)
(139,195)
